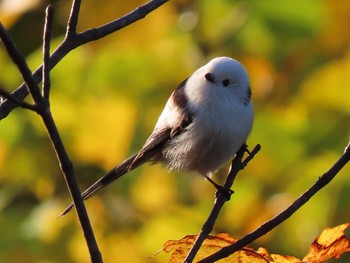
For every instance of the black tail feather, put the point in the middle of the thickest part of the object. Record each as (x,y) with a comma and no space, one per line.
(118,171)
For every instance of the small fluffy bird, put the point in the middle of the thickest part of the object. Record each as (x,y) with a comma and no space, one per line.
(204,123)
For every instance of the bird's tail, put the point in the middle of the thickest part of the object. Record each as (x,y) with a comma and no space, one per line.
(129,164)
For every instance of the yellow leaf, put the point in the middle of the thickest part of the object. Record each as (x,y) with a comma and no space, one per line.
(284,259)
(332,243)
(211,245)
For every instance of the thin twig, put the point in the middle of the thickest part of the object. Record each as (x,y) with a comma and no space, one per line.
(236,166)
(73,18)
(19,103)
(19,60)
(140,12)
(62,155)
(280,218)
(76,40)
(240,166)
(46,52)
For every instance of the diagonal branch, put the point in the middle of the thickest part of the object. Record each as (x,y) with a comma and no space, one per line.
(280,218)
(19,103)
(236,166)
(19,60)
(73,41)
(124,21)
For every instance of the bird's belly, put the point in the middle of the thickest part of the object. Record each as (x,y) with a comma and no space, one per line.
(210,140)
(203,154)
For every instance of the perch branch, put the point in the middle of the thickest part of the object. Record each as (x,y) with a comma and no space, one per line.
(280,218)
(221,198)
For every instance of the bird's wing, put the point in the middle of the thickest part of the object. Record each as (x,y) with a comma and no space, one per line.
(172,122)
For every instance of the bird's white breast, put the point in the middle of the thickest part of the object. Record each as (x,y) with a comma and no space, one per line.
(220,127)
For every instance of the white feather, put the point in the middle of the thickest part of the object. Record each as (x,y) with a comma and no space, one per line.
(222,118)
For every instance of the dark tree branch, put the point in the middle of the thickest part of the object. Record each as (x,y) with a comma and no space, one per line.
(73,18)
(46,52)
(42,107)
(19,103)
(19,60)
(128,19)
(68,172)
(75,40)
(280,218)
(236,166)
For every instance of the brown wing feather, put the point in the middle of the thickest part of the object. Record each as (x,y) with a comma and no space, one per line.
(155,142)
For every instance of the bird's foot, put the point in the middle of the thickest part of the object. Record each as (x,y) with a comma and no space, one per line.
(221,189)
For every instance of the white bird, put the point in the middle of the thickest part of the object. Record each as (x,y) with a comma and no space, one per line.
(204,123)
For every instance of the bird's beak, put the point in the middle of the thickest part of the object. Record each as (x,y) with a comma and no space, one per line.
(209,77)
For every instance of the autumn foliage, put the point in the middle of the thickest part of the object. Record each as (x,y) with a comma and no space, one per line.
(332,243)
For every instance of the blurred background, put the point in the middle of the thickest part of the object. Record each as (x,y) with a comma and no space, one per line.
(106,97)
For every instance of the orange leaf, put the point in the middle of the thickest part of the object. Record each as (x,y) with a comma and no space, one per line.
(284,259)
(332,243)
(212,244)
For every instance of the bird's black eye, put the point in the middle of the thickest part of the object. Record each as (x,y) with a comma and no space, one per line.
(209,77)
(225,82)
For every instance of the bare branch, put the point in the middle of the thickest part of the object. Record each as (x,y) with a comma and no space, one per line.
(73,18)
(236,166)
(19,60)
(19,103)
(68,172)
(130,18)
(46,52)
(280,218)
(42,107)
(62,155)
(73,41)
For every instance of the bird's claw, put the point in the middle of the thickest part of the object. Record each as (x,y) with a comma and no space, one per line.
(221,189)
(224,191)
